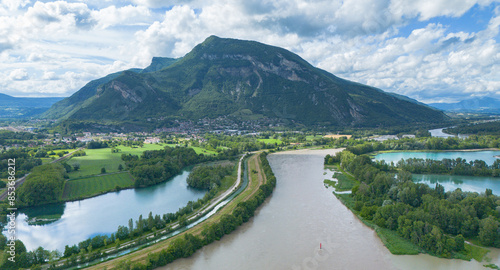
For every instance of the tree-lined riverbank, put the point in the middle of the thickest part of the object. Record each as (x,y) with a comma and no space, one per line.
(239,210)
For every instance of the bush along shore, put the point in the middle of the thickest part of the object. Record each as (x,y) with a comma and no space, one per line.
(412,218)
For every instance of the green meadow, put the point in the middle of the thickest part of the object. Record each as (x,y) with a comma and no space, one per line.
(91,186)
(204,151)
(270,141)
(95,159)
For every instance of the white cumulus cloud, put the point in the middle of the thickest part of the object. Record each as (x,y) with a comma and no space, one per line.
(56,47)
(19,74)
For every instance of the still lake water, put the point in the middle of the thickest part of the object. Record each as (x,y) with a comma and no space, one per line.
(301,213)
(103,214)
(466,183)
(487,156)
(451,182)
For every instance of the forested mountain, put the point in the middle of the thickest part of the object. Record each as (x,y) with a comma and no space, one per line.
(240,79)
(81,99)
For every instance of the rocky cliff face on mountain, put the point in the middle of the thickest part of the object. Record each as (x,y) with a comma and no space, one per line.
(235,78)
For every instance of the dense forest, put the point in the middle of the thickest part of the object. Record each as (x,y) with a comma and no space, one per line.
(160,165)
(208,177)
(432,219)
(43,185)
(25,161)
(488,128)
(6,135)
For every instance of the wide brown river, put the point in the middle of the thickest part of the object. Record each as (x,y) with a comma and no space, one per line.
(287,231)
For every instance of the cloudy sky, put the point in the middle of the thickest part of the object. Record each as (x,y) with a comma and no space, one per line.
(430,50)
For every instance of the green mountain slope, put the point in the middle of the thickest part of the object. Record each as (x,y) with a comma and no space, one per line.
(85,96)
(228,77)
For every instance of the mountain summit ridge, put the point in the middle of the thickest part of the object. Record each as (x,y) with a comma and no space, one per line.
(230,77)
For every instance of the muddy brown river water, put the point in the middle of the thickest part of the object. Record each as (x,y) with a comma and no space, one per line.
(287,230)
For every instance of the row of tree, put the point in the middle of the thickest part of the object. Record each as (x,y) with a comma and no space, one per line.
(10,135)
(456,166)
(488,128)
(360,147)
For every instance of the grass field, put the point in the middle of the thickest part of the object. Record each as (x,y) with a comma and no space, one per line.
(397,244)
(96,159)
(345,182)
(475,252)
(86,187)
(270,141)
(204,151)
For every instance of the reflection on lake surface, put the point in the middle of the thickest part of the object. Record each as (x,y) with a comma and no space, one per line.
(466,183)
(301,213)
(451,182)
(103,214)
(488,156)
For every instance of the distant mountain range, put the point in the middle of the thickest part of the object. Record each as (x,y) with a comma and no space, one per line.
(237,79)
(20,107)
(478,105)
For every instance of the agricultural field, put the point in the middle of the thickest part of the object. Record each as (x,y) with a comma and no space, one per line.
(90,186)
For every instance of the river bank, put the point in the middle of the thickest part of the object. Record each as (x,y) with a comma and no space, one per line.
(301,214)
(141,256)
